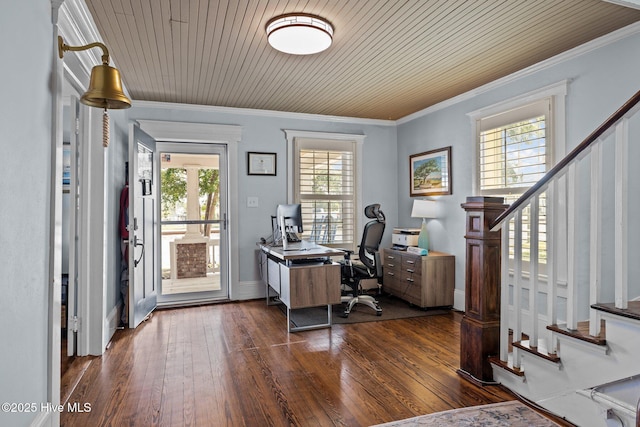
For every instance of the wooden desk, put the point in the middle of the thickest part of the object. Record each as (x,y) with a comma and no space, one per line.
(301,276)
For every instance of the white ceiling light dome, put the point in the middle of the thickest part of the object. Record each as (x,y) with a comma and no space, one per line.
(299,33)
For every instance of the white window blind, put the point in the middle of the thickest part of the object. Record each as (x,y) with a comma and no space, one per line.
(513,151)
(513,154)
(325,187)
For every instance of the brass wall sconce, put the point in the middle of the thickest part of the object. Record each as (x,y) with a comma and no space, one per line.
(105,85)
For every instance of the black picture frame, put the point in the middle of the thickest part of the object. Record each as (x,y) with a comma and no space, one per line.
(259,163)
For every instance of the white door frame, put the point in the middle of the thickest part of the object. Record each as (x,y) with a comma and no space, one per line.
(229,135)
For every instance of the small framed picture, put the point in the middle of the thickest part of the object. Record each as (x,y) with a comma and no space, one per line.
(430,173)
(261,163)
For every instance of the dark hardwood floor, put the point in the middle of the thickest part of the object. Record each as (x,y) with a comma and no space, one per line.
(234,364)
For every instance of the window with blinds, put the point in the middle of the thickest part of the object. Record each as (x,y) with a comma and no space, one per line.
(514,154)
(325,187)
(513,149)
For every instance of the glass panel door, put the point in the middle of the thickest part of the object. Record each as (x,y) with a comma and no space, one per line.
(193,223)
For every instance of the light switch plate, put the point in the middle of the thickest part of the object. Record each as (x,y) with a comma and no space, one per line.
(252,202)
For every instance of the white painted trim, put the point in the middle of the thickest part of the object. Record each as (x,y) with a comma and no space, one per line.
(459,300)
(45,419)
(261,113)
(605,40)
(230,135)
(54,269)
(634,4)
(583,345)
(252,289)
(166,131)
(111,324)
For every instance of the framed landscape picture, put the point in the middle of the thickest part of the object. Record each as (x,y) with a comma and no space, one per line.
(430,173)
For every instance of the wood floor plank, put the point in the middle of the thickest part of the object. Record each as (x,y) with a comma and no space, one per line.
(234,364)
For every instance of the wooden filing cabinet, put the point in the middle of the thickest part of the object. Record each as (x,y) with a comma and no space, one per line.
(425,281)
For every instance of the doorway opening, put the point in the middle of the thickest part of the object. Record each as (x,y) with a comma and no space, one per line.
(193,223)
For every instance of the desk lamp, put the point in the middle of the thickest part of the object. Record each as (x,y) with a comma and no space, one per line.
(423,209)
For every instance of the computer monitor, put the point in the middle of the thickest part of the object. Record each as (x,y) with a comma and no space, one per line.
(292,215)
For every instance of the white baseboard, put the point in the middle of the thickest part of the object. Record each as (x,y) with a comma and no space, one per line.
(248,290)
(46,419)
(458,299)
(111,324)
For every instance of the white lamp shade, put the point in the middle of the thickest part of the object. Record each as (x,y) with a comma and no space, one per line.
(424,209)
(299,34)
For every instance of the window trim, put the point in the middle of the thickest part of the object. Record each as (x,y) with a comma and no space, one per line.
(357,139)
(556,123)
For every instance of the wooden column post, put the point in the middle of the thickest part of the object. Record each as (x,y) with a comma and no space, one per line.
(480,326)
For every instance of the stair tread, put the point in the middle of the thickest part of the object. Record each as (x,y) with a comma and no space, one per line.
(582,333)
(538,351)
(632,311)
(504,365)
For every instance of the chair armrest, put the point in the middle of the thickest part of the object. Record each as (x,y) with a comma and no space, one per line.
(347,252)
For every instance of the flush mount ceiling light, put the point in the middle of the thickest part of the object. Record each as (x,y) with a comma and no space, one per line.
(299,33)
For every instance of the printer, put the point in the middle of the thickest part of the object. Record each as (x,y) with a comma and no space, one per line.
(403,237)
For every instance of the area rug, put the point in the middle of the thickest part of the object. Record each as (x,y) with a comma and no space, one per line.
(392,308)
(507,414)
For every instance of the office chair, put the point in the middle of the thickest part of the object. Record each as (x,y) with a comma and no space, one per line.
(369,265)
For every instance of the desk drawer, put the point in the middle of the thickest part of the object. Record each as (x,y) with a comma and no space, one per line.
(310,285)
(273,274)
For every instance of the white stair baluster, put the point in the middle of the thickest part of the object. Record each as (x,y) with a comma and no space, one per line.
(517,285)
(552,285)
(534,218)
(504,293)
(572,245)
(621,209)
(595,237)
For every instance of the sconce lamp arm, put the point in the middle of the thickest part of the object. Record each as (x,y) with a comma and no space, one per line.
(62,47)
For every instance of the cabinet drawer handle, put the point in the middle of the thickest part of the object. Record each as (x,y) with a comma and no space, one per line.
(391,257)
(391,273)
(391,265)
(410,262)
(409,279)
(410,270)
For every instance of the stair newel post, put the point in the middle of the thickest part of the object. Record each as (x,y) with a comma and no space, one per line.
(480,326)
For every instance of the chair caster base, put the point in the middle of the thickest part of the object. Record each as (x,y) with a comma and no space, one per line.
(365,300)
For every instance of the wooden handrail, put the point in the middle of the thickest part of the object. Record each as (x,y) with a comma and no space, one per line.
(604,127)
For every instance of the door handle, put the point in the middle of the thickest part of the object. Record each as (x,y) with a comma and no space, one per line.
(136,243)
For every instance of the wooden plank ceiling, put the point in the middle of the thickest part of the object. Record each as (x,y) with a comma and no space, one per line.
(388,59)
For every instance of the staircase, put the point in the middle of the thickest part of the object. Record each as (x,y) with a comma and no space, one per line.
(569,314)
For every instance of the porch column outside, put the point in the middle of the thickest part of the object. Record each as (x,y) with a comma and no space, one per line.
(480,326)
(193,201)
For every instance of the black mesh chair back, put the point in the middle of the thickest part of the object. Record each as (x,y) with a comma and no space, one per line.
(371,238)
(368,255)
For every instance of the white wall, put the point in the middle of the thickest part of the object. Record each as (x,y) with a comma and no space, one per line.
(601,80)
(25,180)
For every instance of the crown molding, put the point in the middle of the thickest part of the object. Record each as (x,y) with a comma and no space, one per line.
(634,4)
(262,113)
(583,49)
